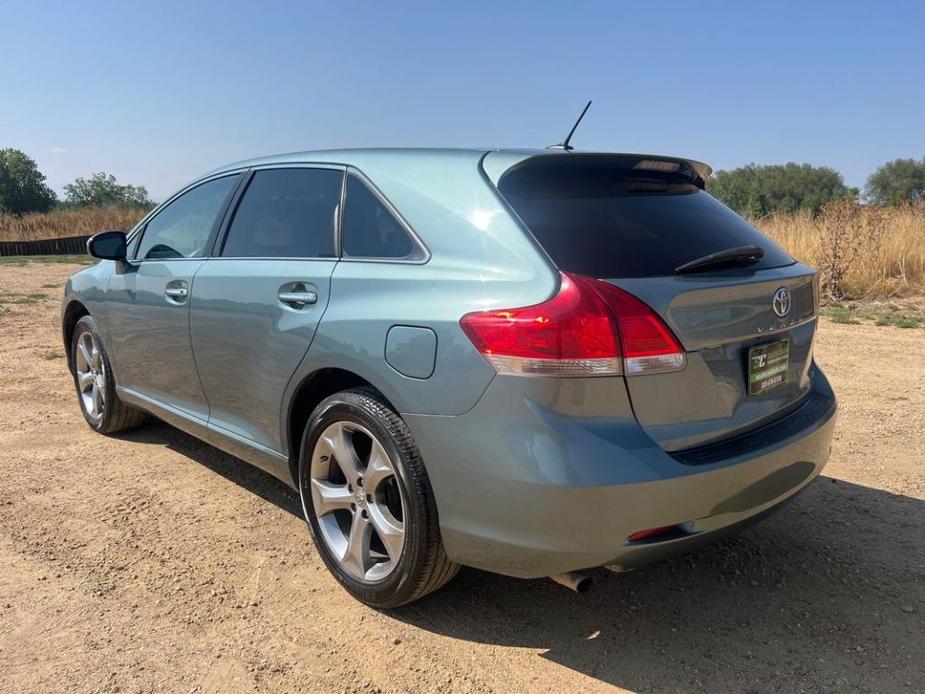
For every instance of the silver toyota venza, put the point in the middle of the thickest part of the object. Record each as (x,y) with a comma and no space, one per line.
(527,361)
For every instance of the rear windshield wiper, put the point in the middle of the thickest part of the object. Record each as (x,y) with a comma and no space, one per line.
(747,255)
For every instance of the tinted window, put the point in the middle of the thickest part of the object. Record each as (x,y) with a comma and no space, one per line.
(133,246)
(599,219)
(369,230)
(286,213)
(182,229)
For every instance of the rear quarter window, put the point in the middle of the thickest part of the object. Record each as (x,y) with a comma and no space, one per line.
(603,219)
(370,230)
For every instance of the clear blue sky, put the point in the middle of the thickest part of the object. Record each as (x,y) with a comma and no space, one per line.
(158,93)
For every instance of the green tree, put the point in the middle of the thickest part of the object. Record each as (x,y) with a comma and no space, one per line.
(896,182)
(760,190)
(22,185)
(103,189)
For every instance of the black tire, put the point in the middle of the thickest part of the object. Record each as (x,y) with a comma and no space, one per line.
(115,415)
(423,566)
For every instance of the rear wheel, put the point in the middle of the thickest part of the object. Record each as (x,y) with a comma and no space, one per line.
(96,389)
(368,501)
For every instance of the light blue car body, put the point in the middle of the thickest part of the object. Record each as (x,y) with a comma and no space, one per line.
(531,476)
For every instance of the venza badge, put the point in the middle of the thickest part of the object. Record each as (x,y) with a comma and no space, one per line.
(781,302)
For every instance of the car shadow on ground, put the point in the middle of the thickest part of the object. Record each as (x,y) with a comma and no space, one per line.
(827,594)
(258,482)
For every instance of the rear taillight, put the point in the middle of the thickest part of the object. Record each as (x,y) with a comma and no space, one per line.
(569,335)
(648,344)
(589,328)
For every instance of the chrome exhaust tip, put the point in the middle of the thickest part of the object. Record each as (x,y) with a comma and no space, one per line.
(574,580)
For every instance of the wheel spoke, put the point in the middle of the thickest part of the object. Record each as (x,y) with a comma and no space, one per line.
(328,497)
(337,439)
(356,555)
(97,405)
(95,355)
(378,469)
(389,530)
(84,353)
(85,379)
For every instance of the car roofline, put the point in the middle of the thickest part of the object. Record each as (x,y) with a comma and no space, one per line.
(348,157)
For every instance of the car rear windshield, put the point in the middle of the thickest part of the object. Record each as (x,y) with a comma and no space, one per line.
(608,219)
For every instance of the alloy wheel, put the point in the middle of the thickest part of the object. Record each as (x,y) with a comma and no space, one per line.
(91,376)
(357,501)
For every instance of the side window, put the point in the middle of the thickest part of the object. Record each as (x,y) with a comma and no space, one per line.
(133,246)
(286,213)
(369,230)
(182,229)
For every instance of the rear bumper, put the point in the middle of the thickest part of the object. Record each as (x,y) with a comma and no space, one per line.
(527,487)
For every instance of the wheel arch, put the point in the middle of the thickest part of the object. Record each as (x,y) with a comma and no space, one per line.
(314,388)
(72,313)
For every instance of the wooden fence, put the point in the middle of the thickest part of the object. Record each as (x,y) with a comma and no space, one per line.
(70,245)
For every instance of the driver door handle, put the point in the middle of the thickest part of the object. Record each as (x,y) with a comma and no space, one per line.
(303,298)
(177,292)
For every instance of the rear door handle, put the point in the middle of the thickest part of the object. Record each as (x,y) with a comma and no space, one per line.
(302,298)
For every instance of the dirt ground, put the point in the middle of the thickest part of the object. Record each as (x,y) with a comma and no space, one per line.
(153,562)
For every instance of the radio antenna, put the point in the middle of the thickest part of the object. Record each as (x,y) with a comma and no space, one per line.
(565,143)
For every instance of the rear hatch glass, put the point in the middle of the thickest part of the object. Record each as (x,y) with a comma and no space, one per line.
(603,218)
(620,220)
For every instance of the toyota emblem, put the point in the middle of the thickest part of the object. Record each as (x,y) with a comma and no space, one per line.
(781,302)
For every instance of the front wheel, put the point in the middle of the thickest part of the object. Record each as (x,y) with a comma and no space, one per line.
(96,388)
(368,501)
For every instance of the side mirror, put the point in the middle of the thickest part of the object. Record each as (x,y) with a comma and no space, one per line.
(108,245)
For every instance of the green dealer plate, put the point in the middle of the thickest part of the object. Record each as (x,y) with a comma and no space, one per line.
(767,366)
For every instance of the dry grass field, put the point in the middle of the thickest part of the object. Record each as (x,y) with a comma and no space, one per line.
(865,251)
(67,222)
(152,562)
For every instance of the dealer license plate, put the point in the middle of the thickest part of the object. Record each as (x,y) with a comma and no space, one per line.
(768,365)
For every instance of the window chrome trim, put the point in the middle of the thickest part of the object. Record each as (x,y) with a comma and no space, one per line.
(142,261)
(300,165)
(415,238)
(293,258)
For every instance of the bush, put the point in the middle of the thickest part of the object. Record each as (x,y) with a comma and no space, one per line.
(22,185)
(758,191)
(102,189)
(848,233)
(896,182)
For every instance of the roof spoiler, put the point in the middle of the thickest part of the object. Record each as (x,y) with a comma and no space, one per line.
(508,161)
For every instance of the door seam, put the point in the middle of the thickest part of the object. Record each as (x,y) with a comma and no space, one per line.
(189,336)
